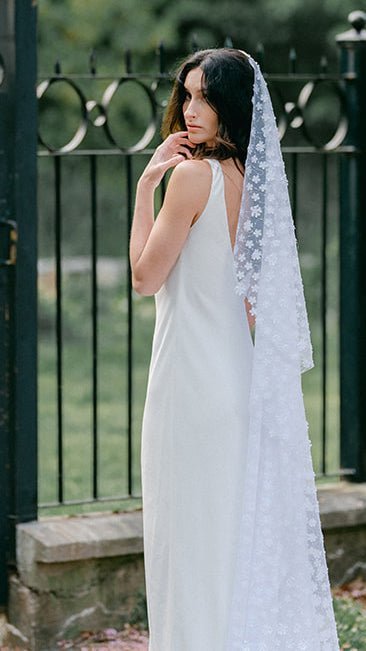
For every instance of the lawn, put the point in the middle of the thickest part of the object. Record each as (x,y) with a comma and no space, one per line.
(77,390)
(113,386)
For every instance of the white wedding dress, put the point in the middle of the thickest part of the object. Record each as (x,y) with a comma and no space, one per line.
(194,436)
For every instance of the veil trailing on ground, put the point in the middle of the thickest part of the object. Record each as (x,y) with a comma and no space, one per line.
(282,598)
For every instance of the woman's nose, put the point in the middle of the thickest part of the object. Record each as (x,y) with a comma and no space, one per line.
(190,110)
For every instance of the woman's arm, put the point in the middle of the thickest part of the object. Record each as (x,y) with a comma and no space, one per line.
(185,197)
(143,221)
(156,245)
(171,152)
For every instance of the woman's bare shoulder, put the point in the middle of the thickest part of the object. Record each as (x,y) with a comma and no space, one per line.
(192,169)
(190,182)
(193,177)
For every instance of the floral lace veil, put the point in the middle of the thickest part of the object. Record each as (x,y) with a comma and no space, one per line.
(281,597)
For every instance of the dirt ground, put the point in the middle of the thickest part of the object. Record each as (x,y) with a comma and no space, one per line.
(132,638)
(129,639)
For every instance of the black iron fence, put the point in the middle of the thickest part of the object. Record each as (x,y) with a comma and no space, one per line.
(94,332)
(307,147)
(95,115)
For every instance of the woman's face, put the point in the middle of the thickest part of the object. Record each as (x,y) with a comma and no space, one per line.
(201,120)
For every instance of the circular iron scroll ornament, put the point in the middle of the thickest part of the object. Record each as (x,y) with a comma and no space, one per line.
(152,125)
(342,126)
(293,114)
(80,132)
(88,107)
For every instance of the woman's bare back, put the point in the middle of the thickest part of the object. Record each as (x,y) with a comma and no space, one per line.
(233,181)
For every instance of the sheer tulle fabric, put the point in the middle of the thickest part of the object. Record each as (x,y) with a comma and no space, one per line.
(282,598)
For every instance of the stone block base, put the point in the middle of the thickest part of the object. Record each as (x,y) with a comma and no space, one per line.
(74,574)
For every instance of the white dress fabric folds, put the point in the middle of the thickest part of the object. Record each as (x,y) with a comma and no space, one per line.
(194,437)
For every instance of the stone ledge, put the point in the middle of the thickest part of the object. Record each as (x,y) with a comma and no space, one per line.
(63,539)
(87,536)
(100,535)
(342,505)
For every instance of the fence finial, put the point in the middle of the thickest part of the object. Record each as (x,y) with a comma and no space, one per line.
(128,60)
(292,60)
(260,54)
(161,57)
(358,20)
(195,45)
(93,61)
(323,64)
(358,32)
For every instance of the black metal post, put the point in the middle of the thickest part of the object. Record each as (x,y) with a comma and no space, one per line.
(353,251)
(18,276)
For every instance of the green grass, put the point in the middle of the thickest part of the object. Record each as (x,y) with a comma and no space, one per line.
(351,623)
(77,393)
(112,392)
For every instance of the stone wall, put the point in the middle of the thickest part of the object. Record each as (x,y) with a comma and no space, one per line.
(343,517)
(76,573)
(87,572)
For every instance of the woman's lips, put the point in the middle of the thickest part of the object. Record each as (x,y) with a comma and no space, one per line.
(191,128)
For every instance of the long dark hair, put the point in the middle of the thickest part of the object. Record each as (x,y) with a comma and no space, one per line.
(228,80)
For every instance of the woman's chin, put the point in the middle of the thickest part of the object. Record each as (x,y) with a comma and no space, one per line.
(195,139)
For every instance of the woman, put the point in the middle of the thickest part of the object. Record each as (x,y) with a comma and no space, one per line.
(217,490)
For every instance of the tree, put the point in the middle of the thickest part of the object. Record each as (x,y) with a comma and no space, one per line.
(68,29)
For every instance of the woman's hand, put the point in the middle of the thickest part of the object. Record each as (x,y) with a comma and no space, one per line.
(172,151)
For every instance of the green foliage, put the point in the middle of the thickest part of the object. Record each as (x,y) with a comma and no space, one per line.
(70,28)
(351,624)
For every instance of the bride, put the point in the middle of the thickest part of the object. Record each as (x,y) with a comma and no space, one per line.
(234,554)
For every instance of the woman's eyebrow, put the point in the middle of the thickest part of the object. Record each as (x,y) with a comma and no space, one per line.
(198,90)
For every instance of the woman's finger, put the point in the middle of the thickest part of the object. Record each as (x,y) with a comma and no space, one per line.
(185,141)
(174,160)
(168,152)
(178,134)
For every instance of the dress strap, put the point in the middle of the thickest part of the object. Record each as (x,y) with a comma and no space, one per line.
(218,185)
(217,173)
